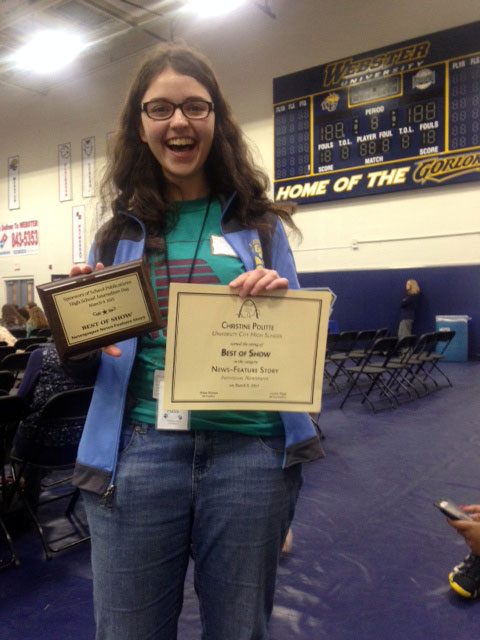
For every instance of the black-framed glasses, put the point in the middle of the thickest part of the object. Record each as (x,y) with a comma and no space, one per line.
(164,109)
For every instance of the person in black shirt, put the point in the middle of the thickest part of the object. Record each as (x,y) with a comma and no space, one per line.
(408,308)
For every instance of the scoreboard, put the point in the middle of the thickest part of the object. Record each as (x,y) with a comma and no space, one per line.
(403,117)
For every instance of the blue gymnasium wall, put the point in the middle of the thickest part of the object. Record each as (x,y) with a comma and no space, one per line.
(371,299)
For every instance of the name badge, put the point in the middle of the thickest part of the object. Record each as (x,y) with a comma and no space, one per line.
(168,420)
(220,247)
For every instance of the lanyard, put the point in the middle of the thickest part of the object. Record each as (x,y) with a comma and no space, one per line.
(192,266)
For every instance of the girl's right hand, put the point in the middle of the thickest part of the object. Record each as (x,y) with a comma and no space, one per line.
(77,270)
(83,269)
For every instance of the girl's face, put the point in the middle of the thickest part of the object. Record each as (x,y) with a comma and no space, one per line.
(181,146)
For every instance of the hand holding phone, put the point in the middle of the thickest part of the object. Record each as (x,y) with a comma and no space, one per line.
(451,510)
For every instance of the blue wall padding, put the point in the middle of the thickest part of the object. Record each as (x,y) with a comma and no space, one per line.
(371,299)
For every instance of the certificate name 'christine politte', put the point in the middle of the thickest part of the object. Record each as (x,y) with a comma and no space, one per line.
(258,353)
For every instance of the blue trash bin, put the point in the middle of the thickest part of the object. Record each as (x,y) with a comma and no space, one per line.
(457,350)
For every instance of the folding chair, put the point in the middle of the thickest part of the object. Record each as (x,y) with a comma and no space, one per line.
(40,332)
(363,344)
(5,350)
(399,365)
(16,363)
(341,353)
(332,339)
(12,410)
(63,409)
(443,339)
(420,357)
(18,332)
(23,343)
(7,380)
(374,370)
(33,346)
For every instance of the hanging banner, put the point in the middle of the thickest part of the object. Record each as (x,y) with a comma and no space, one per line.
(65,172)
(13,182)
(78,230)
(19,238)
(88,167)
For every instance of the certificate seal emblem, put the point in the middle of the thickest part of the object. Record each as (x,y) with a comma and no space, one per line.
(248,309)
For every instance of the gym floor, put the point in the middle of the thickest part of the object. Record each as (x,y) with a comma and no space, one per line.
(370,554)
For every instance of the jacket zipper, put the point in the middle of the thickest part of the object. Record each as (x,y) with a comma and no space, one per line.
(107,497)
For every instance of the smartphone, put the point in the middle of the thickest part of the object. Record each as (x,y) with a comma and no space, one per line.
(451,510)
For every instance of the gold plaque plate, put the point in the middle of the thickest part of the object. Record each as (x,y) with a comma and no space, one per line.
(101,308)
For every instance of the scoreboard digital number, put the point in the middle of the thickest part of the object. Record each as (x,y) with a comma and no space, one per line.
(403,117)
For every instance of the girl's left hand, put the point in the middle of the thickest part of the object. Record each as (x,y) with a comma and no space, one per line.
(251,283)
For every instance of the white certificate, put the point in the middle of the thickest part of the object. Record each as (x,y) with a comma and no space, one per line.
(260,353)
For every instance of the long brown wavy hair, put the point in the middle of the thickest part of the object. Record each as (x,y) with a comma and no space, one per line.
(37,319)
(11,317)
(134,180)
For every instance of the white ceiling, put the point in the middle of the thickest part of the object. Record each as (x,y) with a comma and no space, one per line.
(116,28)
(265,39)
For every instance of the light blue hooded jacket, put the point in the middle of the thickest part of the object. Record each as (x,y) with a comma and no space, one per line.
(98,450)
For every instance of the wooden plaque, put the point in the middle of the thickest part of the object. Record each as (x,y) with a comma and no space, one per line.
(101,308)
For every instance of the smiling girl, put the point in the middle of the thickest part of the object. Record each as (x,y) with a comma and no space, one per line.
(186,195)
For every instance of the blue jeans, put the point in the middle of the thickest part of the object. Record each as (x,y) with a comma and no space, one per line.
(221,497)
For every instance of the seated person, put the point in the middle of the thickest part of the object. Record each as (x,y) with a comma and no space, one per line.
(36,320)
(52,444)
(465,577)
(11,318)
(23,311)
(6,336)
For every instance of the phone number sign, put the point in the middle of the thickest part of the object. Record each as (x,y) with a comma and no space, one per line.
(19,238)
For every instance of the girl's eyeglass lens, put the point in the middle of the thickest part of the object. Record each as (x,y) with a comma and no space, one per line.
(163,110)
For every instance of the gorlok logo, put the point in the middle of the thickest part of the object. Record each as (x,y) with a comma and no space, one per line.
(440,169)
